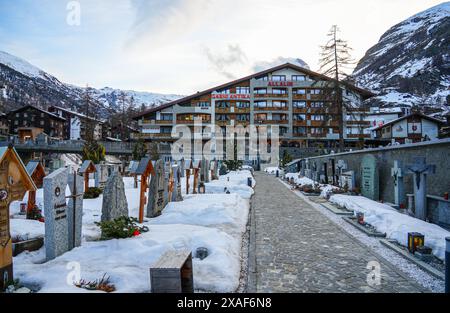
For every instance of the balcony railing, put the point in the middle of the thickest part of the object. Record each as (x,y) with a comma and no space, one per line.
(299,123)
(271,108)
(271,121)
(270,95)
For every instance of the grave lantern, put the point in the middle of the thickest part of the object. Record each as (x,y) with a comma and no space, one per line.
(201,188)
(415,240)
(360,218)
(14,183)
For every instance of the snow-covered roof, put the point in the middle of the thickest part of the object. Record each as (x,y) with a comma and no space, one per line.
(39,109)
(77,113)
(32,166)
(85,166)
(142,166)
(407,116)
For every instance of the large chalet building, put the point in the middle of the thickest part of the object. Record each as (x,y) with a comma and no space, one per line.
(288,96)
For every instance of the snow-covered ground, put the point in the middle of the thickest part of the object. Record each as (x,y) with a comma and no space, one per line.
(395,224)
(273,170)
(215,220)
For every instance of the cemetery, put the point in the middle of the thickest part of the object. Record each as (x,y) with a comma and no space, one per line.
(386,192)
(141,221)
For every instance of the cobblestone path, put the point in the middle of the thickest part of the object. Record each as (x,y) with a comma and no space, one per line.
(295,248)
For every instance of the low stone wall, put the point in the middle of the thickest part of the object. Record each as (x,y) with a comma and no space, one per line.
(435,152)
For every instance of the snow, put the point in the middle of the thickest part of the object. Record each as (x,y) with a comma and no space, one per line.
(216,221)
(395,224)
(410,68)
(273,170)
(21,65)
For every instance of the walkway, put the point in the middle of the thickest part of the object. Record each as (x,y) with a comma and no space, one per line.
(298,249)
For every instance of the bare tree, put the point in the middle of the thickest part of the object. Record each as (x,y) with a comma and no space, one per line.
(335,60)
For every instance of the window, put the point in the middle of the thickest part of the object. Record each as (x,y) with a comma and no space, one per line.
(42,114)
(16,122)
(221,117)
(260,104)
(242,104)
(222,104)
(261,117)
(204,104)
(299,117)
(298,78)
(166,130)
(299,130)
(279,78)
(260,91)
(224,91)
(278,117)
(279,91)
(299,91)
(25,114)
(315,91)
(263,78)
(299,104)
(316,130)
(317,104)
(317,117)
(42,122)
(166,117)
(242,90)
(279,104)
(243,117)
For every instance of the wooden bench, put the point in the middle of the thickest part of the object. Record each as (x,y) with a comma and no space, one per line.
(173,273)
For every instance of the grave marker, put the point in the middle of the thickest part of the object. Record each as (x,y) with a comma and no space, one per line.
(133,167)
(157,200)
(399,191)
(370,178)
(182,167)
(56,213)
(86,169)
(176,195)
(188,177)
(115,203)
(420,170)
(75,209)
(14,183)
(340,166)
(101,175)
(196,174)
(145,169)
(37,172)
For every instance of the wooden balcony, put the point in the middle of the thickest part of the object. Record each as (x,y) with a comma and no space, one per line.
(208,121)
(359,123)
(299,97)
(222,110)
(242,111)
(272,109)
(300,110)
(270,95)
(318,123)
(299,123)
(272,122)
(356,136)
(223,123)
(299,135)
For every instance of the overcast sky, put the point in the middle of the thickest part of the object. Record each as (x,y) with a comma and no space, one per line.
(182,46)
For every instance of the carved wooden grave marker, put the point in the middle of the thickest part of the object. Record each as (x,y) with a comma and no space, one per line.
(14,183)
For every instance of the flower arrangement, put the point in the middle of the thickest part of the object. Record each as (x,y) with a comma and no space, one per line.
(122,227)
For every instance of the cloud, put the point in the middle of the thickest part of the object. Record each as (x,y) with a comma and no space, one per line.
(264,65)
(223,63)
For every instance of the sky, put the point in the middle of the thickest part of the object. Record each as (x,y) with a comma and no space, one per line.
(184,46)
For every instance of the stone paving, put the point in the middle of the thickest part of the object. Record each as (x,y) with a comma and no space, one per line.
(295,248)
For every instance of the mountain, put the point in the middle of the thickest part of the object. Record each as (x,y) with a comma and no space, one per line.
(410,65)
(22,83)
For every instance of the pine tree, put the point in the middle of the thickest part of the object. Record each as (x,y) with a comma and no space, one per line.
(92,150)
(335,60)
(139,150)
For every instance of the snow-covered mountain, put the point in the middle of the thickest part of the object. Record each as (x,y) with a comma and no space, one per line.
(411,63)
(23,83)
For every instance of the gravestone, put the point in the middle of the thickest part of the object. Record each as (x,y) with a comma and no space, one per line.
(115,203)
(56,214)
(132,169)
(101,175)
(332,171)
(202,170)
(206,171)
(420,170)
(75,209)
(399,190)
(176,195)
(325,173)
(182,167)
(348,179)
(14,182)
(156,193)
(340,167)
(370,178)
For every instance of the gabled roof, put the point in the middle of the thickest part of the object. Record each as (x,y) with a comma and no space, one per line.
(76,114)
(39,109)
(365,93)
(87,165)
(407,116)
(145,165)
(32,166)
(133,166)
(28,181)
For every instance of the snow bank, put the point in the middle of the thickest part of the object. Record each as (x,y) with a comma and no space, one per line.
(216,221)
(273,170)
(396,225)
